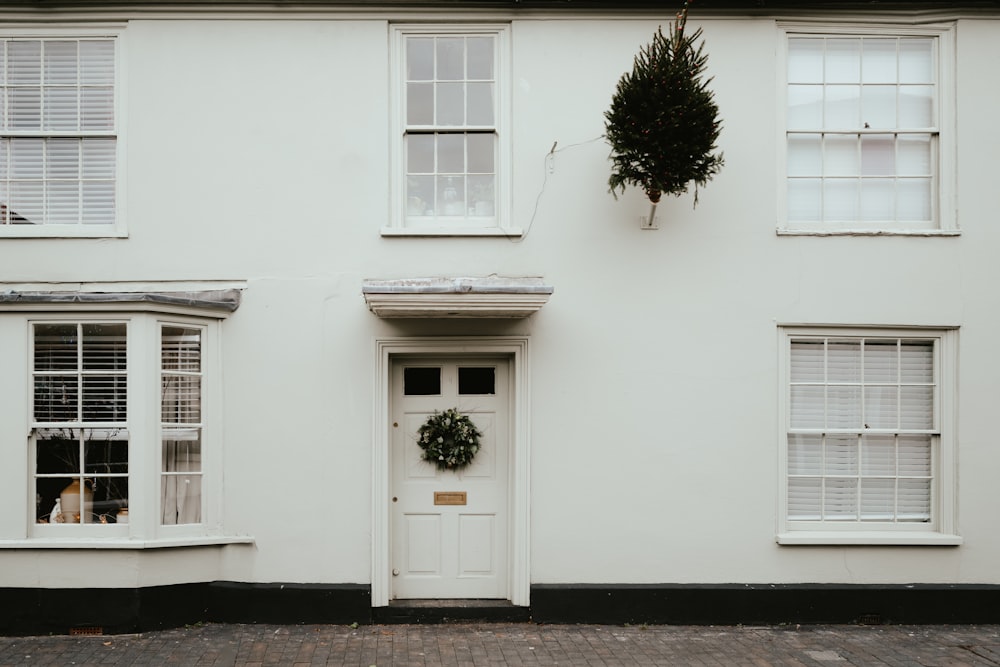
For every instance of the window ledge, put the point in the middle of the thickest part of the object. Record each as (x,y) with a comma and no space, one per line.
(508,232)
(864,538)
(125,543)
(868,232)
(54,231)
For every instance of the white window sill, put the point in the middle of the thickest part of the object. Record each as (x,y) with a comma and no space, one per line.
(867,232)
(865,538)
(124,543)
(62,231)
(509,232)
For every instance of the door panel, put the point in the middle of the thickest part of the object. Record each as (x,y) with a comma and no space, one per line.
(455,545)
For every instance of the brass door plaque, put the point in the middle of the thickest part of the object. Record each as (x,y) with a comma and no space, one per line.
(449,498)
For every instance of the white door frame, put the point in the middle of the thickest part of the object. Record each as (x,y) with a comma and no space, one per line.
(514,347)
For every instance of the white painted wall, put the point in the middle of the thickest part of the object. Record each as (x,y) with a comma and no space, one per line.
(257,150)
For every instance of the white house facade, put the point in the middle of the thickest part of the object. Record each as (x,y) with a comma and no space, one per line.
(248,248)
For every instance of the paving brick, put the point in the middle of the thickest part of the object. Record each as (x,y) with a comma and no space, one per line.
(520,644)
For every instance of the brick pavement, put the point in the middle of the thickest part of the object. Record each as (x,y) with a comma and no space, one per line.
(495,644)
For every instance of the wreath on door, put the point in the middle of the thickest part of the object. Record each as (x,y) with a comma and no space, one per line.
(449,439)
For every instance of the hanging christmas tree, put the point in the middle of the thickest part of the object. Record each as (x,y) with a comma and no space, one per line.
(663,122)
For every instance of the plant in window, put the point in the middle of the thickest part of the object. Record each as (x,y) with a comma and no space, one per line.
(663,122)
(449,439)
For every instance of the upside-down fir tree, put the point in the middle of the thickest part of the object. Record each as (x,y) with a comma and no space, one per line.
(663,122)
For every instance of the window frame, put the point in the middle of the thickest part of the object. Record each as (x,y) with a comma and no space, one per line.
(117,229)
(943,173)
(399,224)
(942,527)
(144,376)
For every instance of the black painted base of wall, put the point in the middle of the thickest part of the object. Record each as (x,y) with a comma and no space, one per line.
(109,611)
(118,610)
(765,604)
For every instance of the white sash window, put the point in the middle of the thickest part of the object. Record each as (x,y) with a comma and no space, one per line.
(866,447)
(58,135)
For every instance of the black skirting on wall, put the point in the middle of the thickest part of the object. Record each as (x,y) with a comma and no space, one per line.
(108,611)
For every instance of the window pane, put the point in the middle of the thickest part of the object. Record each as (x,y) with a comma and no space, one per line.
(420,154)
(55,347)
(840,200)
(840,499)
(481,153)
(105,398)
(913,199)
(914,500)
(805,155)
(450,101)
(878,155)
(805,454)
(842,107)
(878,107)
(24,62)
(917,361)
(843,60)
(421,381)
(480,50)
(419,58)
(808,361)
(419,103)
(916,106)
(805,107)
(451,153)
(917,407)
(97,62)
(879,61)
(805,200)
(481,195)
(61,109)
(420,195)
(881,361)
(840,155)
(25,110)
(181,349)
(451,196)
(878,499)
(843,361)
(808,407)
(480,103)
(881,407)
(878,455)
(98,158)
(476,381)
(97,108)
(104,346)
(180,399)
(805,498)
(450,58)
(914,154)
(841,455)
(843,407)
(878,199)
(805,60)
(98,202)
(915,455)
(181,499)
(916,60)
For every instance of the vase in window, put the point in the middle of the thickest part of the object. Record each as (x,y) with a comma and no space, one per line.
(69,503)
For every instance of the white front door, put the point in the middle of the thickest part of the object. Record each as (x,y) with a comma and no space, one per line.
(449,528)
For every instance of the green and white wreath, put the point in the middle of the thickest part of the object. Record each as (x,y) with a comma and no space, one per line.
(449,439)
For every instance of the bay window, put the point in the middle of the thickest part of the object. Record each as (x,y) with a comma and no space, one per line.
(118,425)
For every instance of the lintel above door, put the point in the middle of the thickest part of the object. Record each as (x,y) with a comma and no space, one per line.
(487,297)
